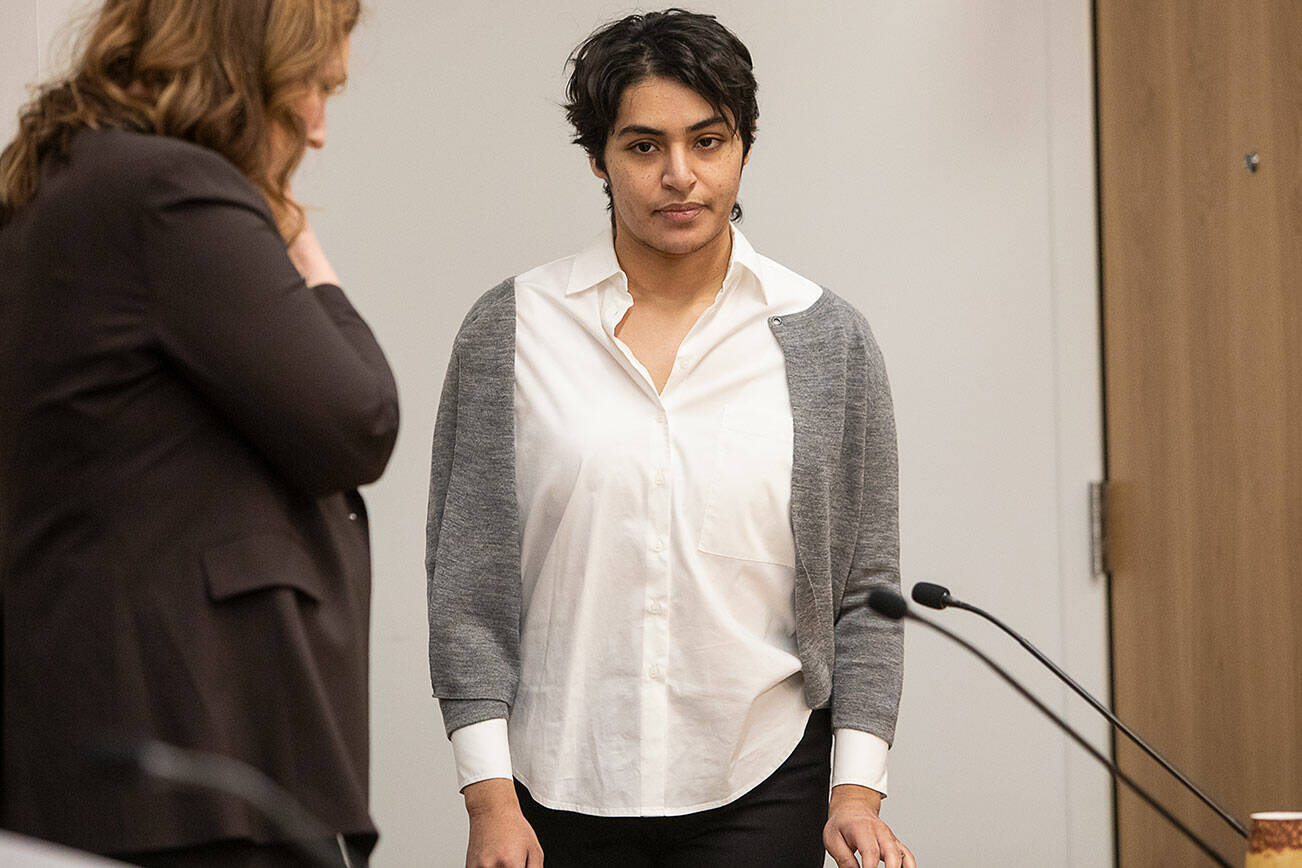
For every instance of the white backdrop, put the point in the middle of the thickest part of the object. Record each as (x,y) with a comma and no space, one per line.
(933,162)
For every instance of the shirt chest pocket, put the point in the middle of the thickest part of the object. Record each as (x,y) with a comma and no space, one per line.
(748,497)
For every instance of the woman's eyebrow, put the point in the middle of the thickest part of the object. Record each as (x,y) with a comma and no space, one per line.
(643,130)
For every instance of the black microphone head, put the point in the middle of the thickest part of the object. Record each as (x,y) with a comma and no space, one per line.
(888,603)
(113,751)
(931,596)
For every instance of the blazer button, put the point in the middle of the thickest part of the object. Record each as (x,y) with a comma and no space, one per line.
(352,516)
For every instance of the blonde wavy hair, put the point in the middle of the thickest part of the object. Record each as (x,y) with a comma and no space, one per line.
(224,74)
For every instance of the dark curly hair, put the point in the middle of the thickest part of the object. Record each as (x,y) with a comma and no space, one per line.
(689,47)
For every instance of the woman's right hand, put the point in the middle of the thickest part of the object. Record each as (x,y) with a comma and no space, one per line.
(500,836)
(308,257)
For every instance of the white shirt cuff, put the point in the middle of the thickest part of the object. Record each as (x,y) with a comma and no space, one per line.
(857,758)
(481,751)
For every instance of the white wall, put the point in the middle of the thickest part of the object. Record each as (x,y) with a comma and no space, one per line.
(933,162)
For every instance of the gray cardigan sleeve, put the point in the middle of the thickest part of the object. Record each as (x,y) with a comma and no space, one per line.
(843,512)
(472,554)
(868,668)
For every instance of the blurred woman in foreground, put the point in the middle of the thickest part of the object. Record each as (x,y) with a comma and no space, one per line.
(190,403)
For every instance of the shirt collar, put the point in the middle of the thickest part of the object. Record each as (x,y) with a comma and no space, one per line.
(597,263)
(744,256)
(594,265)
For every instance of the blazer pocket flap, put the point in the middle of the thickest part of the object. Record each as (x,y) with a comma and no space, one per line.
(257,562)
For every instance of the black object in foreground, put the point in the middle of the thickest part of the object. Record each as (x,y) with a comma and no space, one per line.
(318,845)
(938,597)
(893,606)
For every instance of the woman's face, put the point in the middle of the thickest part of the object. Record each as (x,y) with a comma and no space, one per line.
(674,165)
(312,107)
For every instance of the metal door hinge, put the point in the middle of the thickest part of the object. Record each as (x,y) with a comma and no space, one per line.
(1100,519)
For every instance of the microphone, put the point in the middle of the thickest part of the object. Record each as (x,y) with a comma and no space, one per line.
(931,596)
(938,597)
(893,606)
(211,771)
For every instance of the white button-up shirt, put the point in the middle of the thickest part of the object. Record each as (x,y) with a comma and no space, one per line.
(658,667)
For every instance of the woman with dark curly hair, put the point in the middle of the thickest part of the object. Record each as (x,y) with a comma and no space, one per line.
(190,403)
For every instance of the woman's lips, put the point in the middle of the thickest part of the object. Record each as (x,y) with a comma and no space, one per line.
(681,213)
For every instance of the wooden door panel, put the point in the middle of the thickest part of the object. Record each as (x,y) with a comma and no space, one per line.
(1203,371)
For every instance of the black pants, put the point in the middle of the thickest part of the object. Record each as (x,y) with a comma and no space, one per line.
(779,824)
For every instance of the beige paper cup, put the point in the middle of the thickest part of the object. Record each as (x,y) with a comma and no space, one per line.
(1275,840)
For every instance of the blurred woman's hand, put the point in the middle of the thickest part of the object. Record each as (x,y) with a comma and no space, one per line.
(308,257)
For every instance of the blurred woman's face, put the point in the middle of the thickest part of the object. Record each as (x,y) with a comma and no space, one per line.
(312,107)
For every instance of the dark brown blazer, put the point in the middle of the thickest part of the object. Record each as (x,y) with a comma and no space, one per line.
(183,425)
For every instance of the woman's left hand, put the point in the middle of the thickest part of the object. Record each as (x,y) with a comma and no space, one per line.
(854,825)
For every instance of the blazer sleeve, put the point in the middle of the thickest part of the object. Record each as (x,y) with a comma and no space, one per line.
(868,669)
(472,535)
(293,368)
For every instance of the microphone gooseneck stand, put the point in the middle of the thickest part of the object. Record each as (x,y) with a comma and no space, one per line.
(893,606)
(209,771)
(938,597)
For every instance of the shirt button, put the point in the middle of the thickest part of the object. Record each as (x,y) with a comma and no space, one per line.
(660,477)
(656,672)
(660,419)
(658,545)
(655,608)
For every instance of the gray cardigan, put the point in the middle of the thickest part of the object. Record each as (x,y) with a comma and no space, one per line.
(843,514)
